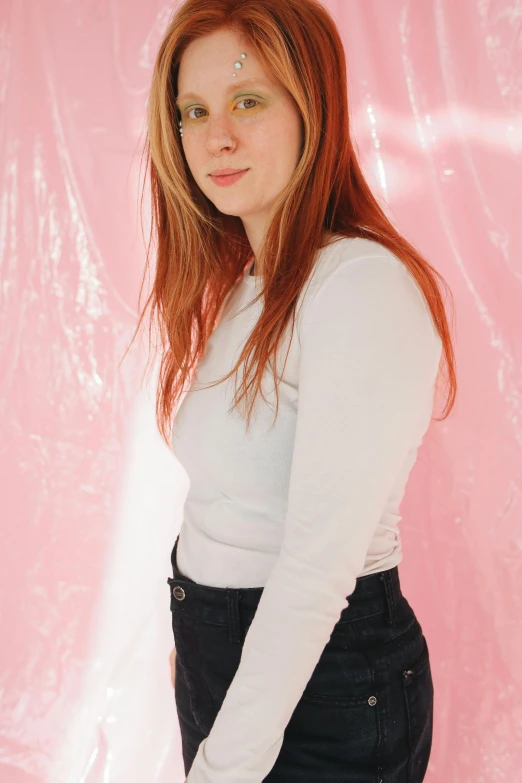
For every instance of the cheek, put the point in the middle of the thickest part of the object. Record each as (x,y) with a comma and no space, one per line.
(275,148)
(197,160)
(280,161)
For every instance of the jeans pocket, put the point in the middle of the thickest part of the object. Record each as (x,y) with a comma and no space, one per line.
(417,686)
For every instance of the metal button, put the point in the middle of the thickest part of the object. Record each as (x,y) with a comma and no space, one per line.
(372,701)
(178,592)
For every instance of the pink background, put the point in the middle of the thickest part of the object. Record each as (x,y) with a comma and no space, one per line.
(92,499)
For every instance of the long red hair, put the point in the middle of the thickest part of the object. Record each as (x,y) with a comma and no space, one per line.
(202,253)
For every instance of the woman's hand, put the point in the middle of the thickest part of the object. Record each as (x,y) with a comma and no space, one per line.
(172,659)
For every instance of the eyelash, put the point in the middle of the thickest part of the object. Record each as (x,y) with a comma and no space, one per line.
(199,107)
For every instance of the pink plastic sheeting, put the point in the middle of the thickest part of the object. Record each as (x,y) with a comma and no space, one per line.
(93,499)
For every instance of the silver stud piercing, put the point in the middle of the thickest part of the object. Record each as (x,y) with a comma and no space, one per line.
(237,65)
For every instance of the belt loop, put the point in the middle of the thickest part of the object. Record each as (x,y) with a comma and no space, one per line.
(233,616)
(386,578)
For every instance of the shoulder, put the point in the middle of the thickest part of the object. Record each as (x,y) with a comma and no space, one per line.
(354,257)
(360,277)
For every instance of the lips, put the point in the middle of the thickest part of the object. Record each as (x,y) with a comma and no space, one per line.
(224,180)
(225,172)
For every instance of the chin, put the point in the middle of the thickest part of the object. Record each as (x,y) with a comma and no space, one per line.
(231,212)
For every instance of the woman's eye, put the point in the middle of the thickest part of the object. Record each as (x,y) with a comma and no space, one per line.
(243,100)
(252,100)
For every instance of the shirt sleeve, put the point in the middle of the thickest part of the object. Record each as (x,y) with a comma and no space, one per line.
(369,357)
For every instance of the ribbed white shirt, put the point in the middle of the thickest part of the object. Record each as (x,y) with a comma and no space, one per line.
(306,508)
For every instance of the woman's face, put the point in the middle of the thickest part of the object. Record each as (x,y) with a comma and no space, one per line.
(231,124)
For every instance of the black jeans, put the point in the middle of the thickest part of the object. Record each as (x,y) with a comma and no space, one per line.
(366,714)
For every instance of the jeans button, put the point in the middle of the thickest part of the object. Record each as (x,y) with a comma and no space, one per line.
(178,592)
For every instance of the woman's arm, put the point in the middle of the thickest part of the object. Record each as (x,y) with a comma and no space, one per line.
(369,358)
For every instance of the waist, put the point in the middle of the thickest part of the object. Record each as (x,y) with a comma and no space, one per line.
(241,553)
(373,593)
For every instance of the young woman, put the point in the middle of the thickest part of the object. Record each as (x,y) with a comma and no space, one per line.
(298,657)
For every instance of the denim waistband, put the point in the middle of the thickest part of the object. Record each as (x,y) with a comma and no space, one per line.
(222,605)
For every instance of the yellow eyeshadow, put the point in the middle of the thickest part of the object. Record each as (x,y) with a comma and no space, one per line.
(243,97)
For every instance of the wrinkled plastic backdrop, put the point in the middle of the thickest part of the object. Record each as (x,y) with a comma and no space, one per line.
(93,499)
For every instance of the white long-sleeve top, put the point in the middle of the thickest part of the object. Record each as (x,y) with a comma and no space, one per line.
(304,509)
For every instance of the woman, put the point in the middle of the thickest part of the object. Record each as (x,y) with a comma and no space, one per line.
(298,657)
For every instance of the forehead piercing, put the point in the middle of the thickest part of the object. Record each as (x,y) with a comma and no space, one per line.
(237,65)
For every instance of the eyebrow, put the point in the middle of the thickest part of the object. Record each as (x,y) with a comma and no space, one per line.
(231,88)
